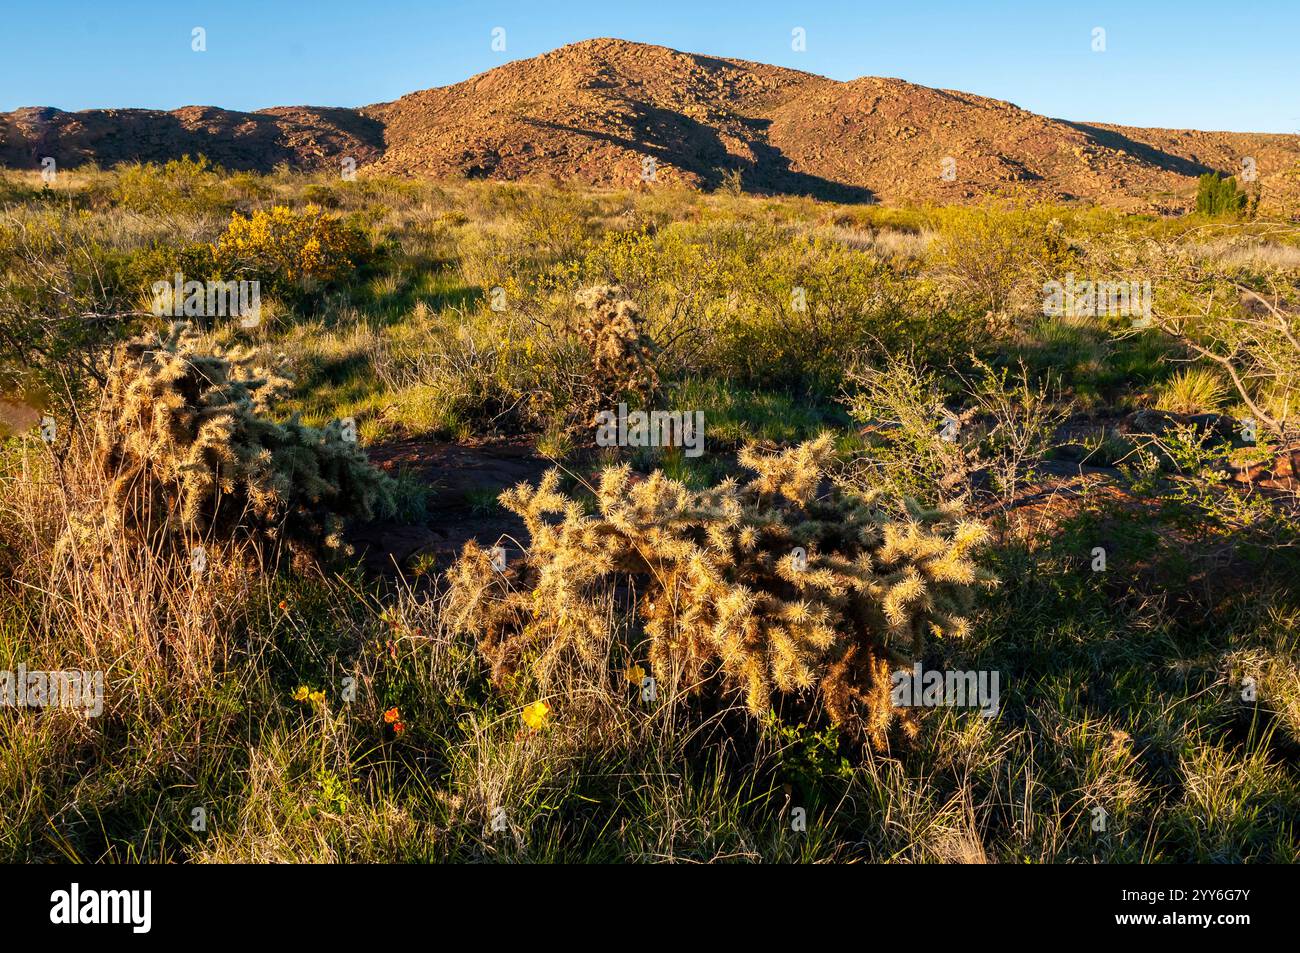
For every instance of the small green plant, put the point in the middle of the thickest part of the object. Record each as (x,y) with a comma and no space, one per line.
(1192,390)
(332,793)
(481,501)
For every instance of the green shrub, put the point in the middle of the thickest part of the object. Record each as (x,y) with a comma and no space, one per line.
(1218,196)
(998,429)
(762,305)
(996,258)
(66,292)
(179,186)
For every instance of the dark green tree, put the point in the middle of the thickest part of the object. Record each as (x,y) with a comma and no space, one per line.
(1219,196)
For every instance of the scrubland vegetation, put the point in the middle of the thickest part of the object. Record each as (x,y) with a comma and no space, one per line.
(906,460)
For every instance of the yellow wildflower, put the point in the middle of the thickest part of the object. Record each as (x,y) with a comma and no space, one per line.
(535,715)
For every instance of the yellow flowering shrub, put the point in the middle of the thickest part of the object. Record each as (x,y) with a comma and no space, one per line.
(287,246)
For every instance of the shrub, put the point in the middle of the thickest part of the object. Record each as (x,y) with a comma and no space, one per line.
(920,448)
(178,187)
(803,302)
(187,452)
(66,291)
(317,193)
(731,182)
(984,253)
(1244,326)
(1219,196)
(553,223)
(775,588)
(289,250)
(763,305)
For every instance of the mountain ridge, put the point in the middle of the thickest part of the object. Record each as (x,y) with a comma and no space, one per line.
(596,111)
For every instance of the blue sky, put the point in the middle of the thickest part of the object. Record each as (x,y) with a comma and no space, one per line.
(1181,64)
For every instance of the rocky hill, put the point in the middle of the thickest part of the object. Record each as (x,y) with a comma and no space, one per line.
(595,112)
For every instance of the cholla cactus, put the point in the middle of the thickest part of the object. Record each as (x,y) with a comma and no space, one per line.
(765,582)
(183,443)
(611,326)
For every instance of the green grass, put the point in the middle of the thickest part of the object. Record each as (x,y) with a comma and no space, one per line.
(735,415)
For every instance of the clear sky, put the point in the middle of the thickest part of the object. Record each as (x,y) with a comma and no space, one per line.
(1221,65)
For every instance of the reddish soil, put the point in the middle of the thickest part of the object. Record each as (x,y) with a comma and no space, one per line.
(465,480)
